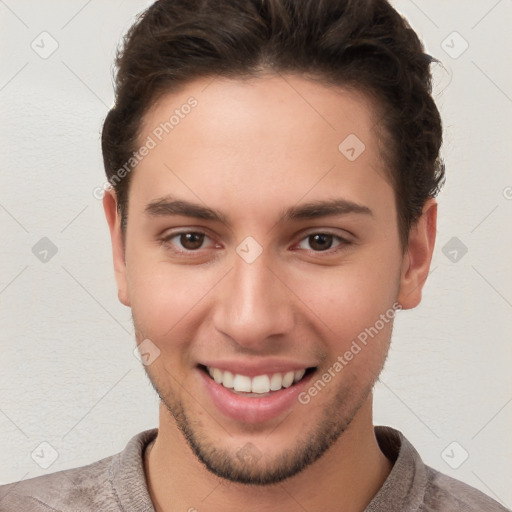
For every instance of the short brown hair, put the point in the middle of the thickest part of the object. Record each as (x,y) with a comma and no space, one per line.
(360,44)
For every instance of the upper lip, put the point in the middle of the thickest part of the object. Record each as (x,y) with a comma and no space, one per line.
(254,368)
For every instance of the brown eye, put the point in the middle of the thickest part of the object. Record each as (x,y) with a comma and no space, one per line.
(189,244)
(320,241)
(191,241)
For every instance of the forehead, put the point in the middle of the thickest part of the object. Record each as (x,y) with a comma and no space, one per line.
(264,140)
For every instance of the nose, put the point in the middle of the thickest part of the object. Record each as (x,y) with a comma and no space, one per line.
(254,306)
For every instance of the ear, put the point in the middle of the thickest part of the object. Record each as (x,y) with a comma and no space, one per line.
(417,258)
(114,224)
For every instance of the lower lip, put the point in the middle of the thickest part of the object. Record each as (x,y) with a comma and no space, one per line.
(253,409)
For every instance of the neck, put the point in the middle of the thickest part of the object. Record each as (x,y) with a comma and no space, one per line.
(345,478)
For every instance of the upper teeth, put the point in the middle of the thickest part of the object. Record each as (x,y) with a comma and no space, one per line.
(258,384)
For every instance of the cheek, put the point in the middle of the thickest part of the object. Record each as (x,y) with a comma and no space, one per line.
(350,300)
(164,297)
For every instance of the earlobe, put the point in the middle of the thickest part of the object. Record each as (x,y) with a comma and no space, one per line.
(118,253)
(418,256)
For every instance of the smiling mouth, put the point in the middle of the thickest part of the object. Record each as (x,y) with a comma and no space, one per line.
(258,386)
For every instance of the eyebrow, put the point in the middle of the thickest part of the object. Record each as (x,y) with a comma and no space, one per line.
(168,206)
(324,208)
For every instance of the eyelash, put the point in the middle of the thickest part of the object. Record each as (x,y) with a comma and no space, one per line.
(342,242)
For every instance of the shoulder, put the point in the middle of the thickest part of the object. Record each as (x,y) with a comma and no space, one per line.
(83,488)
(414,486)
(445,493)
(113,484)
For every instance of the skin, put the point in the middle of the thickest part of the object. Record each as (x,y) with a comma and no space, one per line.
(250,150)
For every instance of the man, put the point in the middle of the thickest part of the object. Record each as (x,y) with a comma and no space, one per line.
(273,166)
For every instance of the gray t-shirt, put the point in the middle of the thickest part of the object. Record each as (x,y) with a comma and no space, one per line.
(118,483)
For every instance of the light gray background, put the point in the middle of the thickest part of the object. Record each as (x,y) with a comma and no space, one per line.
(68,374)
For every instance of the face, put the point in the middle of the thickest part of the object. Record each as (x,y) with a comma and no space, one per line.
(258,252)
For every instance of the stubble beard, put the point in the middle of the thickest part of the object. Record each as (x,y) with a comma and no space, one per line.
(247,465)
